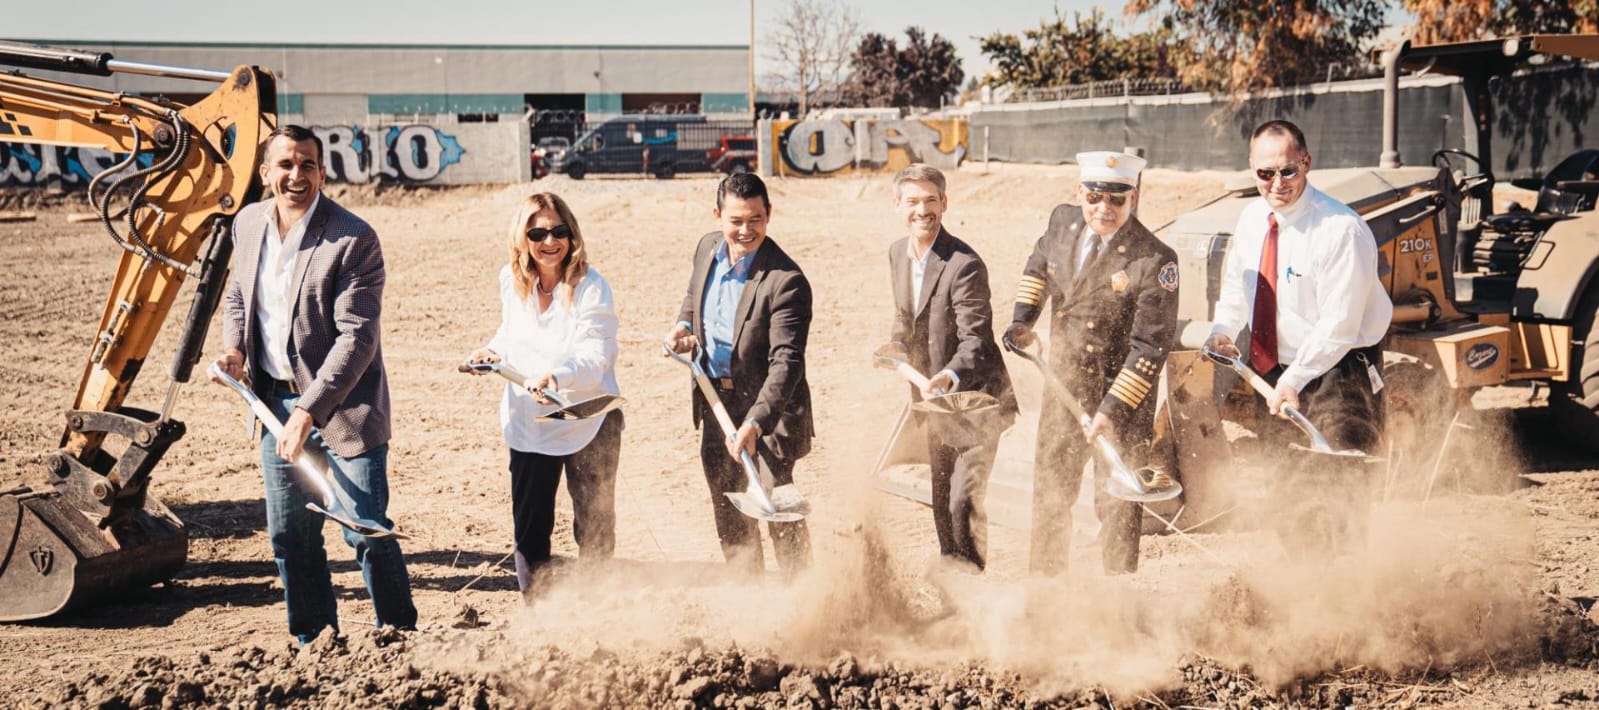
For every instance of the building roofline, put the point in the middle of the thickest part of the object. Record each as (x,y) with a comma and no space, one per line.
(322,45)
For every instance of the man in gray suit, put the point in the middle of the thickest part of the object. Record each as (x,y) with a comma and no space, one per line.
(944,325)
(301,324)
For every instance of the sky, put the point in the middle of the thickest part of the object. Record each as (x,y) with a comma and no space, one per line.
(538,22)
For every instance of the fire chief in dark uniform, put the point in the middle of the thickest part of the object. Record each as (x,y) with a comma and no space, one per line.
(1114,290)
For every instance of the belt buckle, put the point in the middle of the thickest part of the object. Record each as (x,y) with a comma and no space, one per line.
(290,385)
(724,383)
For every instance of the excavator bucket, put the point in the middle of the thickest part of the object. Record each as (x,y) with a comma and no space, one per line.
(54,558)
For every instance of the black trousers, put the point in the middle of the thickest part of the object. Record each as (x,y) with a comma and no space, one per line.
(591,480)
(740,535)
(1321,502)
(961,455)
(1058,459)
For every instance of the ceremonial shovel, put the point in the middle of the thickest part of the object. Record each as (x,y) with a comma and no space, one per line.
(782,505)
(566,410)
(1144,485)
(311,471)
(1318,443)
(957,403)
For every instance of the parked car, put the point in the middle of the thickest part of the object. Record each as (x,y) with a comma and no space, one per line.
(659,145)
(549,151)
(733,155)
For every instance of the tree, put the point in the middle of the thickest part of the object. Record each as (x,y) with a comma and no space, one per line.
(922,74)
(1081,51)
(1233,46)
(811,46)
(1461,20)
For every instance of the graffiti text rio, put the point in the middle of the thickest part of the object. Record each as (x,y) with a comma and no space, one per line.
(835,146)
(412,154)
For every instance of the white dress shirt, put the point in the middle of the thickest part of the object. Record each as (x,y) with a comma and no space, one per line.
(1082,247)
(1330,298)
(274,304)
(918,272)
(576,342)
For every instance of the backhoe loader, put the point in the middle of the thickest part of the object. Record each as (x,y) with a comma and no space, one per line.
(90,528)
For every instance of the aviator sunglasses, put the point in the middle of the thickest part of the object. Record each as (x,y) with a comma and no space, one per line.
(1115,200)
(1268,174)
(559,231)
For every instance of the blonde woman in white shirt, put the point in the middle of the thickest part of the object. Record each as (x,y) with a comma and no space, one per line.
(557,325)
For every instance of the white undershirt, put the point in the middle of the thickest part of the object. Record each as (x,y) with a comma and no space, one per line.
(274,304)
(1330,297)
(577,342)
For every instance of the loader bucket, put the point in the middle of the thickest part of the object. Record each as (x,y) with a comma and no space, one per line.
(54,558)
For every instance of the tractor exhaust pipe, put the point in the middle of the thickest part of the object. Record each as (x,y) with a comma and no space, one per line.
(1390,107)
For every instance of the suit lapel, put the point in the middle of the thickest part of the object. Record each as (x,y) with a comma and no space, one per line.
(254,240)
(308,244)
(935,266)
(746,300)
(900,269)
(702,272)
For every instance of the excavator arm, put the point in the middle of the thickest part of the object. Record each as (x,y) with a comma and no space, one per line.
(91,528)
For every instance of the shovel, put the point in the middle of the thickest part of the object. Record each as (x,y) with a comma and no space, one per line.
(1144,485)
(890,357)
(1318,443)
(311,471)
(785,506)
(566,410)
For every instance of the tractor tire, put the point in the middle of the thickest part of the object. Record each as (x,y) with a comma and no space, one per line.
(1575,403)
(576,171)
(665,172)
(1424,420)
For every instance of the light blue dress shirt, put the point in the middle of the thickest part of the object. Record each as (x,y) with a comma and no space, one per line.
(722,293)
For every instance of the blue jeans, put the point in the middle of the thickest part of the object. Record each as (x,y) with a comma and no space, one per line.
(297,533)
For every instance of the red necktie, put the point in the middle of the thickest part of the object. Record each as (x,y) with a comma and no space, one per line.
(1263,329)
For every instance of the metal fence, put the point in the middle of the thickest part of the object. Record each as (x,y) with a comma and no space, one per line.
(1155,87)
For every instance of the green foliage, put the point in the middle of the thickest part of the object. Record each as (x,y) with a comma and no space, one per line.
(921,74)
(1083,50)
(1229,46)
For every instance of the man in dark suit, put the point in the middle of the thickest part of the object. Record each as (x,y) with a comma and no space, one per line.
(301,324)
(1114,286)
(944,324)
(748,312)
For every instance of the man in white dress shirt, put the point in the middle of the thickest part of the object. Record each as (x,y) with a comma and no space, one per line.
(1302,274)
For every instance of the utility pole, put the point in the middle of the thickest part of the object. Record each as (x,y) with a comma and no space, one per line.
(753,114)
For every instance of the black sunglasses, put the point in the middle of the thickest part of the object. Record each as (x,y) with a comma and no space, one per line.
(559,231)
(1115,200)
(1268,174)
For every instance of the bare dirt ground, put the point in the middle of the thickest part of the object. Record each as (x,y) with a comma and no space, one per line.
(1464,600)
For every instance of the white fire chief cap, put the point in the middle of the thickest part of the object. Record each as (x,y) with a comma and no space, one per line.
(1109,170)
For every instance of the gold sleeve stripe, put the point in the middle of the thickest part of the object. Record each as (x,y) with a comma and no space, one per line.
(1032,280)
(1127,394)
(1033,292)
(1134,379)
(1126,397)
(1027,300)
(1131,387)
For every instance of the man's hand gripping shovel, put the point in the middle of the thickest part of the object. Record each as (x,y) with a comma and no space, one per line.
(312,474)
(959,404)
(1144,485)
(1318,443)
(779,505)
(565,409)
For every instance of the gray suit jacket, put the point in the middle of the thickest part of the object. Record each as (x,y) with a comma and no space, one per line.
(955,328)
(335,340)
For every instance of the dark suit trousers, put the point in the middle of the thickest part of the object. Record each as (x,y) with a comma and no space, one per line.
(962,457)
(591,479)
(1058,462)
(740,535)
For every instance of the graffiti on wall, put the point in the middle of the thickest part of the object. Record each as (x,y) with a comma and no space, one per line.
(412,153)
(28,165)
(835,146)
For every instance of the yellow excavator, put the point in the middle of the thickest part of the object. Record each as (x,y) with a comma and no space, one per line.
(91,528)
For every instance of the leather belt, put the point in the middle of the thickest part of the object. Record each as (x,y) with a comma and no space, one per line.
(287,385)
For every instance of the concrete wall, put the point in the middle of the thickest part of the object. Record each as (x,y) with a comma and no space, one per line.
(1540,118)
